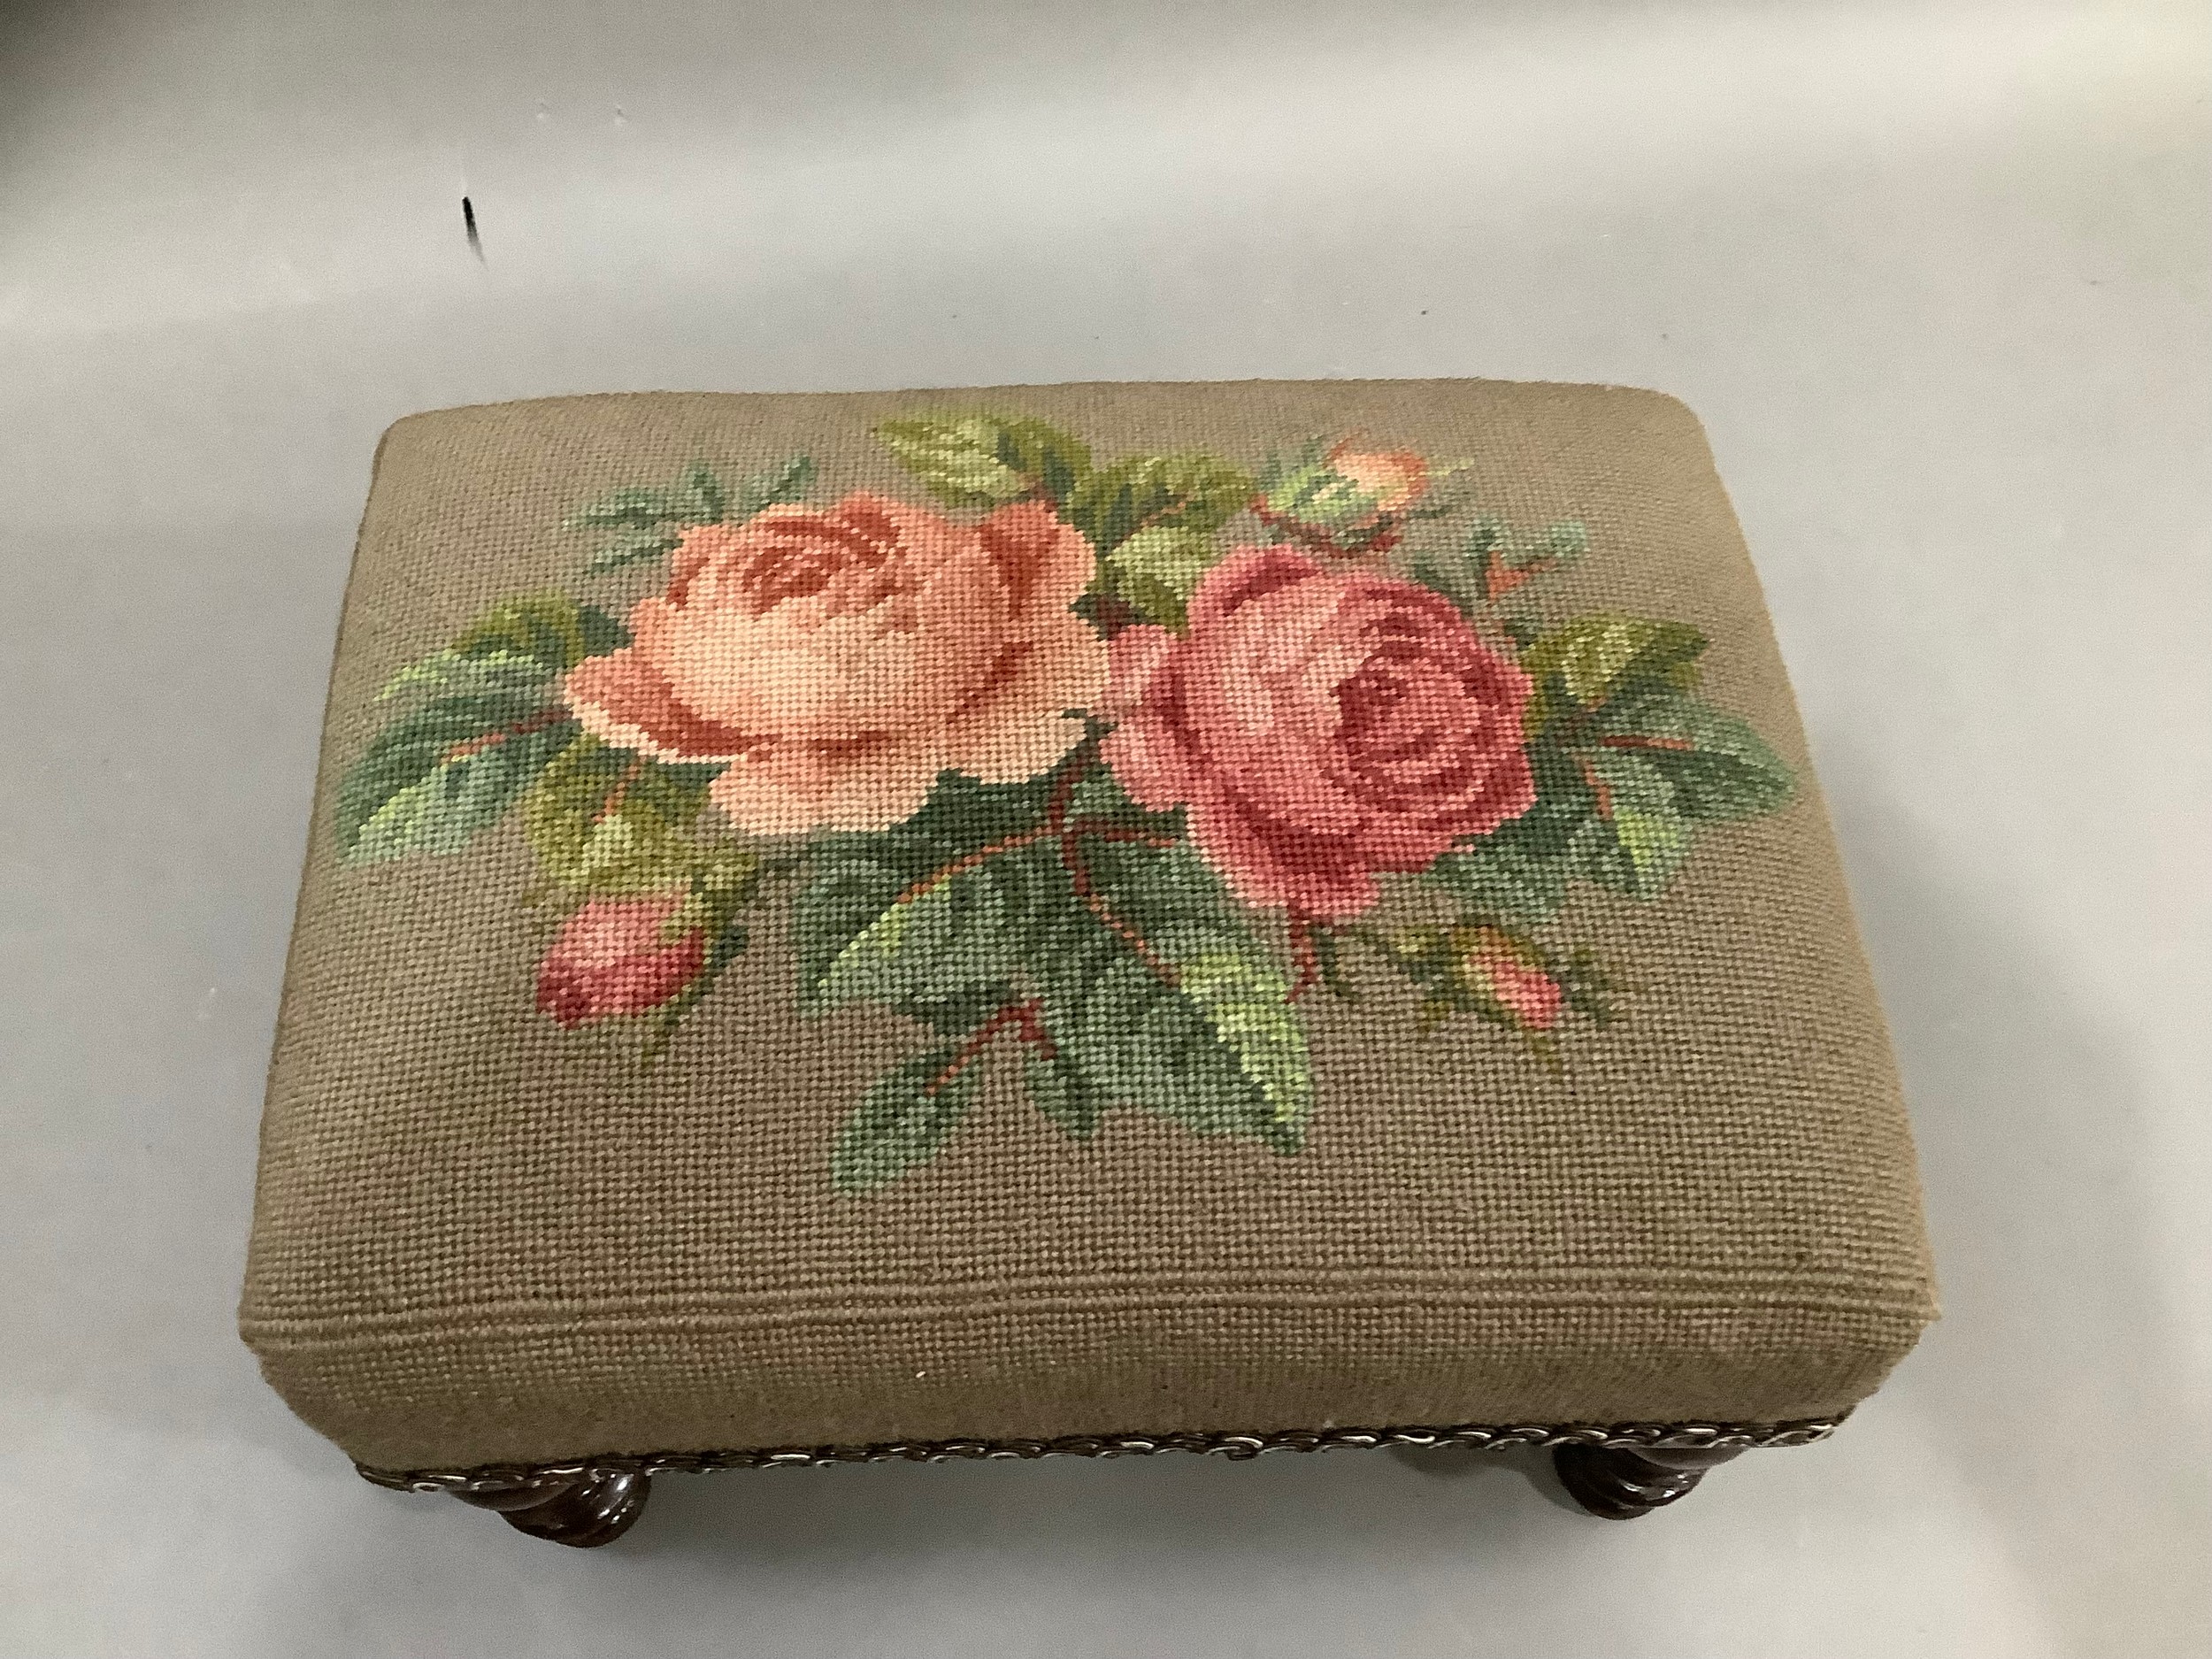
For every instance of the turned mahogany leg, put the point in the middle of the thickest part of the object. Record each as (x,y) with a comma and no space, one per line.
(1622,1484)
(585,1511)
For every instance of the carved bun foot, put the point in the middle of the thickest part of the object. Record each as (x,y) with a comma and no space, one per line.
(584,1513)
(1622,1484)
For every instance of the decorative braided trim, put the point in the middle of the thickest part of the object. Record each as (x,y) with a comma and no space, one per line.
(1472,1437)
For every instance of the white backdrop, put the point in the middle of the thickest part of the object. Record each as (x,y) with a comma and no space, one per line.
(1936,277)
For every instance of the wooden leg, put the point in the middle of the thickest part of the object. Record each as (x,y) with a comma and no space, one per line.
(585,1512)
(1622,1484)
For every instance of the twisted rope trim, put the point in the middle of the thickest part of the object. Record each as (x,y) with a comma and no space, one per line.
(1472,1437)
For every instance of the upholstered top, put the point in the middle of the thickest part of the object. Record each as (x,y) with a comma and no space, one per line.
(1064,910)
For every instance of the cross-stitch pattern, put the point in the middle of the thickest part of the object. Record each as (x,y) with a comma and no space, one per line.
(1104,766)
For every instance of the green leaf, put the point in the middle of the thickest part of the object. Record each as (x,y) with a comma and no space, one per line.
(779,487)
(1564,802)
(1197,1025)
(1717,766)
(1618,797)
(646,523)
(856,881)
(496,673)
(1599,815)
(1522,629)
(632,548)
(902,1120)
(987,460)
(697,498)
(1504,879)
(1592,656)
(1556,544)
(1194,1022)
(1195,492)
(725,880)
(550,629)
(437,777)
(1493,559)
(956,459)
(1458,580)
(966,934)
(602,820)
(1638,838)
(487,723)
(1055,461)
(710,503)
(725,877)
(1156,570)
(602,634)
(851,883)
(1057,1090)
(1486,541)
(1245,997)
(1278,471)
(1620,788)
(1099,798)
(1589,988)
(632,508)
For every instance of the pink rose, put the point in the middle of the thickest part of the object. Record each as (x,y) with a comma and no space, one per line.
(839,659)
(1320,724)
(610,959)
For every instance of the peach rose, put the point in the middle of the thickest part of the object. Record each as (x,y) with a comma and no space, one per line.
(1320,723)
(610,959)
(838,659)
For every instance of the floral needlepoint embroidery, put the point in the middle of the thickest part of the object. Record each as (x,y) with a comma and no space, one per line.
(1102,767)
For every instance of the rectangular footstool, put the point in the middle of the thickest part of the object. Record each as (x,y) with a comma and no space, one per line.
(1087,919)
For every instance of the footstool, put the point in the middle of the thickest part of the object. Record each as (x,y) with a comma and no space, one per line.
(1083,920)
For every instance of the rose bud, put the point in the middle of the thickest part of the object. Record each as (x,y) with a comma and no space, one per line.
(1349,499)
(1492,966)
(610,958)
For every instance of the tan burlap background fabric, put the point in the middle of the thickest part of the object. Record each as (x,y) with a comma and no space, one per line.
(479,1237)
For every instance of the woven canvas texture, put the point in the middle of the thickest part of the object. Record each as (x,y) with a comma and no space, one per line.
(1033,912)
